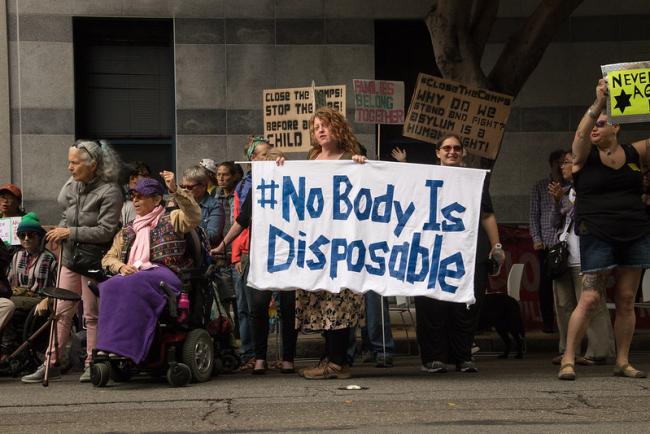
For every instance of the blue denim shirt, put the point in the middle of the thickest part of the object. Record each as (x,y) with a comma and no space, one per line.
(212,218)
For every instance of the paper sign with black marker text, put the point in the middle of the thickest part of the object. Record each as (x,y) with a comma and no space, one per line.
(439,107)
(629,91)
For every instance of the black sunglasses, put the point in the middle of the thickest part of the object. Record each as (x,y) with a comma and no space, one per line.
(24,235)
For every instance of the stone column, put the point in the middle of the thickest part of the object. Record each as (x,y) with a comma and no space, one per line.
(5,122)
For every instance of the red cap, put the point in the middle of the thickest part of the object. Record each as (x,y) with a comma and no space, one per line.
(13,189)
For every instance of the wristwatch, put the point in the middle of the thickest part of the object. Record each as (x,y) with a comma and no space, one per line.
(498,246)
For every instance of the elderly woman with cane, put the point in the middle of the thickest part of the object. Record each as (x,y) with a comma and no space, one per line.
(613,226)
(91,202)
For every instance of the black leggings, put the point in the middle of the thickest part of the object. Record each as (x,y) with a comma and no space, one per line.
(336,345)
(260,319)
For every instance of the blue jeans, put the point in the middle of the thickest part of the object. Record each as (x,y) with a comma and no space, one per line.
(244,305)
(371,334)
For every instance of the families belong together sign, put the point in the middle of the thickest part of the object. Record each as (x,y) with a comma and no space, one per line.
(397,229)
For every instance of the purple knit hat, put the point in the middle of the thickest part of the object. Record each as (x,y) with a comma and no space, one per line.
(149,187)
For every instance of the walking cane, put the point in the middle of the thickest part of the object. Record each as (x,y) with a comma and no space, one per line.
(53,334)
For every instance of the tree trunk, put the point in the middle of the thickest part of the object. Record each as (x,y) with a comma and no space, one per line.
(459,30)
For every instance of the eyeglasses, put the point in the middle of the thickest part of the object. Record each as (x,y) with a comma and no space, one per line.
(449,148)
(24,235)
(189,186)
(600,124)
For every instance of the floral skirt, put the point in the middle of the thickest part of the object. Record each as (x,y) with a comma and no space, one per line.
(322,310)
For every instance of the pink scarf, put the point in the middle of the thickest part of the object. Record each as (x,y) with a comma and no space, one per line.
(142,225)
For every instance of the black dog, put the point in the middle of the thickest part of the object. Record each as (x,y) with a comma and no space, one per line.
(504,314)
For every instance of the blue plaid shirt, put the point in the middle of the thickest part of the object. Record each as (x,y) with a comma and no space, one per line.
(542,207)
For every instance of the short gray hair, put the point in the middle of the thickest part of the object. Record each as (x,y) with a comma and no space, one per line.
(196,173)
(108,161)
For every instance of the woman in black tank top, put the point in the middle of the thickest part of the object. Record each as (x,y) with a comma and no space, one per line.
(613,226)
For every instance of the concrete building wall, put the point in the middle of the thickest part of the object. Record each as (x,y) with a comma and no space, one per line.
(227,51)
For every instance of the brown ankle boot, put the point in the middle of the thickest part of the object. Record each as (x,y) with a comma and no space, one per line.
(328,371)
(322,362)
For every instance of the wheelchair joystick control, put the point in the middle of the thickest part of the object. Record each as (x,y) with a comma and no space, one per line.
(183,307)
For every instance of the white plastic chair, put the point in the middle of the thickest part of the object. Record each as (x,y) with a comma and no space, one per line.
(514,280)
(404,307)
(645,287)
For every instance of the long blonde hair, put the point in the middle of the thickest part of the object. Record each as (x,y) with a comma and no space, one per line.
(347,142)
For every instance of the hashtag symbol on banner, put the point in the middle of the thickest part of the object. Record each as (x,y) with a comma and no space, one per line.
(266,190)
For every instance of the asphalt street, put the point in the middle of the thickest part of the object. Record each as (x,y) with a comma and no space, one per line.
(505,396)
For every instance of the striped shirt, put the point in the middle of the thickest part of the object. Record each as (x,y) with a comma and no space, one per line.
(33,272)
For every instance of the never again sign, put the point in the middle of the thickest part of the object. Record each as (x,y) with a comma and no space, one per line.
(397,229)
(629,91)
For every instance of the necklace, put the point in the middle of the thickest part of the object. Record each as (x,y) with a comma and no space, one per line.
(607,151)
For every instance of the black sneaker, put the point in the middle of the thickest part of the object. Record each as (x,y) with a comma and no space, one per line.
(467,367)
(383,361)
(435,367)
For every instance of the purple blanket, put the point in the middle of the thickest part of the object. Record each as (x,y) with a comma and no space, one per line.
(129,307)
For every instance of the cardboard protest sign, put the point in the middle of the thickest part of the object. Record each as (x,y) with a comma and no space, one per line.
(287,113)
(629,91)
(378,101)
(394,228)
(477,116)
(8,229)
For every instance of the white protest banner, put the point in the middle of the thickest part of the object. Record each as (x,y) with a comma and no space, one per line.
(629,91)
(398,229)
(477,116)
(287,113)
(378,101)
(8,228)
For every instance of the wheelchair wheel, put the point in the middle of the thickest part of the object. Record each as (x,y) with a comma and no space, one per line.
(120,374)
(178,375)
(198,354)
(100,373)
(31,324)
(230,362)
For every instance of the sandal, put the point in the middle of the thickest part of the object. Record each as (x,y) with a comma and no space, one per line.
(279,365)
(567,372)
(628,371)
(250,364)
(260,371)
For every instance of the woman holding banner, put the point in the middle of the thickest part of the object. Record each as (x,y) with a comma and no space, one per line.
(334,314)
(445,330)
(613,226)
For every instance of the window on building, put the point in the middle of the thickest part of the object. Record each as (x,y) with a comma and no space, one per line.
(124,86)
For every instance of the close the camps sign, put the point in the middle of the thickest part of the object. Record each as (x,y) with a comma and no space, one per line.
(477,116)
(397,229)
(629,91)
(287,113)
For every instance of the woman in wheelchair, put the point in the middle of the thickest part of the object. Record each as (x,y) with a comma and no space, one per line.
(146,252)
(31,269)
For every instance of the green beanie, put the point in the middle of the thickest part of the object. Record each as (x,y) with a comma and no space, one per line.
(31,223)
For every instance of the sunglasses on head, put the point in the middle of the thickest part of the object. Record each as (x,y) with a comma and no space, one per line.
(189,186)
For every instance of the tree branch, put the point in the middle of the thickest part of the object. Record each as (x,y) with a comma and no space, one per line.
(526,47)
(483,17)
(453,46)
